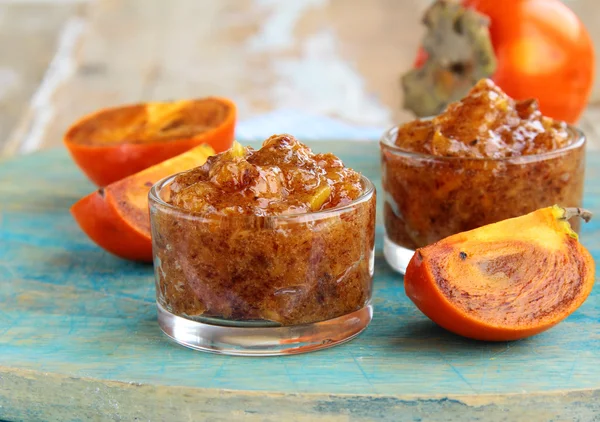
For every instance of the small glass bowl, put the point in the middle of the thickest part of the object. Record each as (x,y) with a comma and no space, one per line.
(427,198)
(250,285)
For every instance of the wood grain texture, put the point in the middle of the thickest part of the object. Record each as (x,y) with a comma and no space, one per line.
(78,333)
(335,58)
(28,34)
(35,396)
(265,55)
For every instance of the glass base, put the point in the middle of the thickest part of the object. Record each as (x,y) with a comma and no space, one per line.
(263,341)
(397,256)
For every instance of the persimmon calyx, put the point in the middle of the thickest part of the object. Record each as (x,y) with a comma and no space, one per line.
(457,52)
(565,214)
(584,214)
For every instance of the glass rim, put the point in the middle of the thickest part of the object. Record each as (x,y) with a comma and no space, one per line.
(154,197)
(388,137)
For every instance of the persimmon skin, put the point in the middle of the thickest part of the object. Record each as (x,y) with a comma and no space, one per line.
(422,285)
(543,51)
(107,163)
(116,217)
(127,159)
(108,229)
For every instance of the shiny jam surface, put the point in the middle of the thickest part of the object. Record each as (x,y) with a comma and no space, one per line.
(483,160)
(282,177)
(487,123)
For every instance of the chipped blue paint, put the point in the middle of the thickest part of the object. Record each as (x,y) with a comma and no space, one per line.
(70,309)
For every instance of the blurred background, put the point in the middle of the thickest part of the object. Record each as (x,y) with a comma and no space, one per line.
(319,69)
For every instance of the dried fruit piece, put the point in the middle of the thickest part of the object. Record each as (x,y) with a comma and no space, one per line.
(457,52)
(114,143)
(116,217)
(504,281)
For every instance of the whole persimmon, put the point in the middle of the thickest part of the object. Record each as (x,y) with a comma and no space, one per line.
(540,49)
(543,51)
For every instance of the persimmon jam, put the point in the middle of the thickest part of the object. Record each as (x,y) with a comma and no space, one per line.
(282,177)
(279,235)
(487,123)
(486,158)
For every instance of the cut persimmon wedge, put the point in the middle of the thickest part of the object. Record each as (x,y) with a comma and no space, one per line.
(504,281)
(114,143)
(116,217)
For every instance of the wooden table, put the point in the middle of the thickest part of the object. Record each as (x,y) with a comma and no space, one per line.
(78,332)
(79,338)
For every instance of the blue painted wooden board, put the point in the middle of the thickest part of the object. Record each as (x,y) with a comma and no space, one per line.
(78,335)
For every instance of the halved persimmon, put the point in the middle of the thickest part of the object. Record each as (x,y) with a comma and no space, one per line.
(116,217)
(504,281)
(114,143)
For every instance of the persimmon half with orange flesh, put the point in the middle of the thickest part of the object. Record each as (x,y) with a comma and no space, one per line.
(116,217)
(114,143)
(504,281)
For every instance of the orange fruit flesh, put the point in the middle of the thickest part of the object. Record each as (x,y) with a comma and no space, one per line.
(503,281)
(129,196)
(151,122)
(116,217)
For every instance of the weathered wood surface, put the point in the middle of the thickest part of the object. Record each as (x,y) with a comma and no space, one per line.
(79,338)
(335,58)
(29,31)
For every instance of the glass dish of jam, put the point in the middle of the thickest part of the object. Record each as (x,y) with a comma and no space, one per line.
(264,252)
